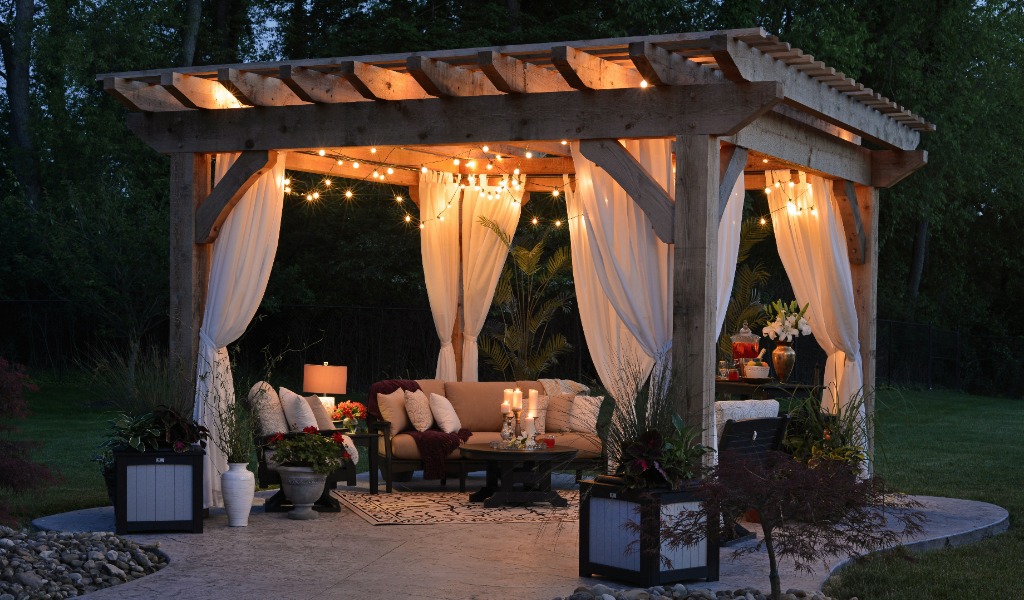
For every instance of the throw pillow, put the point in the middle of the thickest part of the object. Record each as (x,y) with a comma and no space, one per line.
(444,414)
(392,410)
(323,420)
(583,415)
(297,411)
(543,402)
(267,406)
(557,416)
(418,406)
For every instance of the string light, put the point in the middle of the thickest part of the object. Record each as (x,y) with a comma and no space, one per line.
(309,197)
(643,83)
(348,194)
(515,171)
(316,195)
(767,190)
(373,150)
(490,165)
(408,219)
(423,169)
(327,182)
(391,171)
(534,220)
(398,199)
(558,223)
(485,149)
(340,162)
(287,181)
(554,192)
(287,189)
(471,164)
(565,142)
(322,152)
(355,165)
(763,221)
(529,154)
(423,225)
(456,161)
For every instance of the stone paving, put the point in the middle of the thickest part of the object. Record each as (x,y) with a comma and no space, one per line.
(341,555)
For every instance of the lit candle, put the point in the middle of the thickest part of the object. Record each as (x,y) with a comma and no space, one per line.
(508,395)
(530,428)
(505,407)
(532,405)
(517,399)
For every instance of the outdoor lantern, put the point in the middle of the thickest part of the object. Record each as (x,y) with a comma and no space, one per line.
(323,380)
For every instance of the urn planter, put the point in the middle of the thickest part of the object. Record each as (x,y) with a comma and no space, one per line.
(303,486)
(611,548)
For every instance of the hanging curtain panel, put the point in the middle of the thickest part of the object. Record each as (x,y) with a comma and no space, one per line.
(812,246)
(439,244)
(243,255)
(483,255)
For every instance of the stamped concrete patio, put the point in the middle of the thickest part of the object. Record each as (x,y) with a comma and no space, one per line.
(341,555)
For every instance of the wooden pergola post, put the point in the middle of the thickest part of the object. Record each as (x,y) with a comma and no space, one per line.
(865,294)
(189,266)
(694,271)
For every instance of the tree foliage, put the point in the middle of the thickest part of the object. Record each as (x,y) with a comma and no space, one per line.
(17,470)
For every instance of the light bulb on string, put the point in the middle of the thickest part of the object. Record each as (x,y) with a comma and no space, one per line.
(767,190)
(643,83)
(340,162)
(554,193)
(471,164)
(322,152)
(375,174)
(534,220)
(440,218)
(763,221)
(777,184)
(408,219)
(355,165)
(791,208)
(287,189)
(287,181)
(791,184)
(373,150)
(490,165)
(327,182)
(423,169)
(814,212)
(558,223)
(316,195)
(391,171)
(485,149)
(456,161)
(348,193)
(565,142)
(398,199)
(423,225)
(515,171)
(309,197)
(529,154)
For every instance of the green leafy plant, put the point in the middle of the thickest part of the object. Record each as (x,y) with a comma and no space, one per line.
(310,449)
(239,426)
(839,435)
(526,299)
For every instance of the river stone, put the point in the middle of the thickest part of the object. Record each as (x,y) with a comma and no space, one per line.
(30,579)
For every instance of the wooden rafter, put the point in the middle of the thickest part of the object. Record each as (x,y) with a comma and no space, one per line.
(440,79)
(229,190)
(141,96)
(514,76)
(254,89)
(314,86)
(196,92)
(845,194)
(584,71)
(638,184)
(376,83)
(555,116)
(889,167)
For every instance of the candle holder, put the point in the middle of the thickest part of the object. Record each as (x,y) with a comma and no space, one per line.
(531,442)
(508,429)
(518,432)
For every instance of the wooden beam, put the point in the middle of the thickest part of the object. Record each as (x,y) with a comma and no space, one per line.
(865,294)
(824,102)
(314,86)
(805,147)
(588,72)
(140,96)
(229,190)
(694,335)
(376,83)
(889,167)
(514,76)
(732,163)
(196,92)
(846,200)
(635,181)
(253,89)
(443,80)
(189,267)
(661,67)
(705,109)
(719,46)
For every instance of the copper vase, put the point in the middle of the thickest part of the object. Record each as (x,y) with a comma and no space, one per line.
(783,359)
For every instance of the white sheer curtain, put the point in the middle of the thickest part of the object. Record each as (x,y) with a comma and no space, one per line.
(439,244)
(812,246)
(633,266)
(243,255)
(483,256)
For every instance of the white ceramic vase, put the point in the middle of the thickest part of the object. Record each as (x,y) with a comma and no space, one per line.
(239,485)
(303,486)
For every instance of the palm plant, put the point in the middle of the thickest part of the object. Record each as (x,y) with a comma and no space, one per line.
(745,303)
(526,299)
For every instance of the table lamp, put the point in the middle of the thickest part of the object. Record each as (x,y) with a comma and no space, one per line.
(325,379)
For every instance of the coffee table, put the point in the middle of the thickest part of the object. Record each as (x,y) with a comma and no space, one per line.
(517,476)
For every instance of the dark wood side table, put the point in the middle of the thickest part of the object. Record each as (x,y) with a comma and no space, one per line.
(770,389)
(517,476)
(369,441)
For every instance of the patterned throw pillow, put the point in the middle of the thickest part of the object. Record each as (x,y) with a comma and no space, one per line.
(583,415)
(267,404)
(418,406)
(556,419)
(444,414)
(543,402)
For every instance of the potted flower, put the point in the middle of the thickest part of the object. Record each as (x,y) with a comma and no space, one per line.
(657,462)
(163,439)
(786,322)
(350,415)
(306,459)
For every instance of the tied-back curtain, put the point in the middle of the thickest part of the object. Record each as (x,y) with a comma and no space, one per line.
(812,246)
(483,256)
(633,266)
(439,245)
(612,346)
(243,255)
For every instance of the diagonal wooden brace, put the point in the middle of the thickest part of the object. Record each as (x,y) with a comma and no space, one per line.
(212,213)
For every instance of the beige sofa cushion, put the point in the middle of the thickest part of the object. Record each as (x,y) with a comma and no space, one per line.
(526,386)
(431,386)
(403,447)
(478,403)
(392,410)
(296,410)
(584,412)
(588,445)
(557,417)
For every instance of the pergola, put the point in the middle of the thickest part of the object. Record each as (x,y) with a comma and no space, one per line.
(736,103)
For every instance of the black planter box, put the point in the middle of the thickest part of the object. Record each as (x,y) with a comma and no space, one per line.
(605,539)
(159,491)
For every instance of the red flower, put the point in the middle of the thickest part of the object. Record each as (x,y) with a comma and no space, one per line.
(345,455)
(310,429)
(277,437)
(338,439)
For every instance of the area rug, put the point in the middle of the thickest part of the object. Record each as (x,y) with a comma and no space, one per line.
(433,508)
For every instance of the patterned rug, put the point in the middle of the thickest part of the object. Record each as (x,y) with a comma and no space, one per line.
(431,508)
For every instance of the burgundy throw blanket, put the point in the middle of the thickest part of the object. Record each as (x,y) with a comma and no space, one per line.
(434,445)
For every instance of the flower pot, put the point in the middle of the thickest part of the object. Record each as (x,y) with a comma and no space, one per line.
(239,485)
(303,486)
(784,359)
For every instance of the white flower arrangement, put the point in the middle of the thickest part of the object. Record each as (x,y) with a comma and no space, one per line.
(787,321)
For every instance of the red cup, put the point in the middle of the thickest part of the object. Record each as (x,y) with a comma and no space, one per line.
(549,442)
(734,375)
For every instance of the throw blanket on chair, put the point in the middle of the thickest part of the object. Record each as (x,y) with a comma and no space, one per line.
(434,446)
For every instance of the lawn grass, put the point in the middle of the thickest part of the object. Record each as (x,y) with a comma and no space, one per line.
(955,445)
(70,423)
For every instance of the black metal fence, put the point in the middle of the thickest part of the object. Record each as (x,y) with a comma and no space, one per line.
(380,342)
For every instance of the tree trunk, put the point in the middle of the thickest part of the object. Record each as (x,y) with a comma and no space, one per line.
(773,564)
(514,10)
(16,46)
(917,261)
(190,32)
